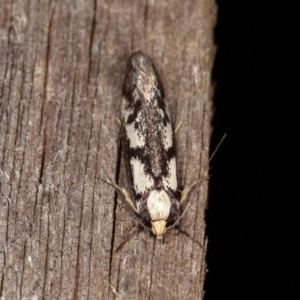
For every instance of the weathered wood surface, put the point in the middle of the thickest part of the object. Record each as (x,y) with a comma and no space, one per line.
(61,70)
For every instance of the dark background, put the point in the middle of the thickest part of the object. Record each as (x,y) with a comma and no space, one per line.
(250,216)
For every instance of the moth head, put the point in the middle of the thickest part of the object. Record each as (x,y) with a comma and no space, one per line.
(158,228)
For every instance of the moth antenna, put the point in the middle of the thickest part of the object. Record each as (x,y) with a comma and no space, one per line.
(218,146)
(213,154)
(196,183)
(124,192)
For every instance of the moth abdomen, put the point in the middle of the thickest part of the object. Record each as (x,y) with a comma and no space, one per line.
(141,76)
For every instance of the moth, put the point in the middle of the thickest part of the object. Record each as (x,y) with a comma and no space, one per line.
(149,145)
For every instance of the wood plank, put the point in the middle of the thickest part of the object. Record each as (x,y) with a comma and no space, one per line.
(62,67)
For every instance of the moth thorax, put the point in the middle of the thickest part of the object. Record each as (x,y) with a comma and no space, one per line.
(159,205)
(159,228)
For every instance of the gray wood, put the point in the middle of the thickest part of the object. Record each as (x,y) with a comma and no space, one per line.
(62,67)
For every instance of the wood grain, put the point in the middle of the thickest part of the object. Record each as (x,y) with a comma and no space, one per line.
(62,67)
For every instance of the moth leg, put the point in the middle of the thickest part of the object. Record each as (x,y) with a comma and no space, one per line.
(203,177)
(118,120)
(187,190)
(124,193)
(178,125)
(184,196)
(127,196)
(118,296)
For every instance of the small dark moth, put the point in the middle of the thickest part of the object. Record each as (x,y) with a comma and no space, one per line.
(149,145)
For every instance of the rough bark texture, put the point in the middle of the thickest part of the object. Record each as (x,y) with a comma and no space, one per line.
(62,67)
